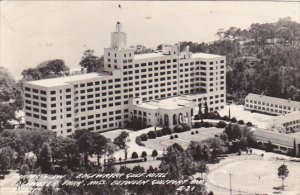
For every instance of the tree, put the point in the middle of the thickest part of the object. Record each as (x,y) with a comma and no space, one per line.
(100,146)
(205,109)
(33,139)
(200,110)
(6,158)
(7,112)
(202,168)
(85,141)
(283,173)
(295,148)
(269,147)
(47,69)
(89,61)
(134,155)
(7,85)
(44,158)
(66,151)
(144,154)
(121,140)
(24,169)
(154,154)
(177,163)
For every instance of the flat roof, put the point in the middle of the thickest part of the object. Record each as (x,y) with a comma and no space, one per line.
(60,81)
(276,138)
(147,55)
(205,55)
(160,54)
(172,103)
(274,100)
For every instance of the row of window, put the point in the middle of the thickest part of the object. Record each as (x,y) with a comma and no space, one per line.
(115,54)
(291,123)
(104,82)
(268,104)
(169,61)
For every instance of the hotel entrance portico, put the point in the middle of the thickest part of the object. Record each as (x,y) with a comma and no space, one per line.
(167,112)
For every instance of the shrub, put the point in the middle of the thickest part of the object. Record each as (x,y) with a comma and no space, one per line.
(207,124)
(198,125)
(225,118)
(144,154)
(144,137)
(134,155)
(269,147)
(192,133)
(178,129)
(186,127)
(249,124)
(197,117)
(241,122)
(175,136)
(24,170)
(165,131)
(159,133)
(213,115)
(221,124)
(151,135)
(171,137)
(196,132)
(224,136)
(138,140)
(233,120)
(154,153)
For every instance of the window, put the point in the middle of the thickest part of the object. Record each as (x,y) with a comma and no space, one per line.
(27,89)
(53,92)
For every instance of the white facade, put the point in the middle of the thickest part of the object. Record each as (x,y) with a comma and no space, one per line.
(281,142)
(290,121)
(167,112)
(270,105)
(100,101)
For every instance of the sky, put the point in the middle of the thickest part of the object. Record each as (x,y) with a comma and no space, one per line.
(35,31)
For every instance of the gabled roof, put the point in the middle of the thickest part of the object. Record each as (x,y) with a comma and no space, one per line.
(276,138)
(273,100)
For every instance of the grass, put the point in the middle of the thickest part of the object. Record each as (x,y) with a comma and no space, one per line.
(257,176)
(183,139)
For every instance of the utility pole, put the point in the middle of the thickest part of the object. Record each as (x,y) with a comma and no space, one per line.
(230,183)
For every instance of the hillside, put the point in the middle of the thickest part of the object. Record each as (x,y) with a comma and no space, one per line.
(262,59)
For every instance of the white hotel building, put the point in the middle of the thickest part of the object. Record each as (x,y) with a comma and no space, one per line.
(101,101)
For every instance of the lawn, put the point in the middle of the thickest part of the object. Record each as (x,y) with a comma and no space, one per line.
(161,143)
(183,139)
(237,111)
(257,176)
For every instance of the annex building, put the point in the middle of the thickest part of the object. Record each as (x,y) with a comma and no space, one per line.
(101,101)
(287,111)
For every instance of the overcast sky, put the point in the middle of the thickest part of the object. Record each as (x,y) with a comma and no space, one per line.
(35,31)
